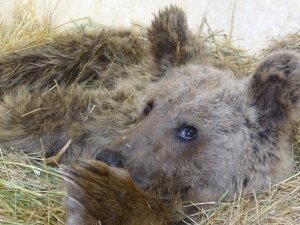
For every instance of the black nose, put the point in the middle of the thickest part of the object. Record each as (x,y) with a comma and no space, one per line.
(111,158)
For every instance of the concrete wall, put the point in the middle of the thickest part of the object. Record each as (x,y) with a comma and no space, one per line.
(254,20)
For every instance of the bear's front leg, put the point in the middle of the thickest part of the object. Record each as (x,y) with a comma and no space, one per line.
(100,194)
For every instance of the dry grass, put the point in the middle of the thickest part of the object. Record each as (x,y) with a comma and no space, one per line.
(290,42)
(29,193)
(279,205)
(33,193)
(23,30)
(222,48)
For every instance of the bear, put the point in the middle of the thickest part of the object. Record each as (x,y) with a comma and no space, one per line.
(261,157)
(200,133)
(203,133)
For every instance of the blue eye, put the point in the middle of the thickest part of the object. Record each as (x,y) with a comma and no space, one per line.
(187,133)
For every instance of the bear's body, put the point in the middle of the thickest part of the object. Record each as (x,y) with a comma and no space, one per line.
(201,132)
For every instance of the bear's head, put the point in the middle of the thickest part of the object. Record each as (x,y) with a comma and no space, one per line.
(204,133)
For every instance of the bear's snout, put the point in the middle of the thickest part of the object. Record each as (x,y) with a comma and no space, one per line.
(111,158)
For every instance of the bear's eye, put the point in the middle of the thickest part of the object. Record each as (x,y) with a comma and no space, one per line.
(187,133)
(148,108)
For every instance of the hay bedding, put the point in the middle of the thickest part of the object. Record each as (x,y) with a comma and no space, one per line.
(32,192)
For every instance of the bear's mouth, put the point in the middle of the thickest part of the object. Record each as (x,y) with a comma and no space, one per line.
(156,182)
(159,184)
(115,159)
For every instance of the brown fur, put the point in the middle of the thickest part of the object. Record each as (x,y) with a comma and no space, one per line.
(244,130)
(251,148)
(244,127)
(80,88)
(74,58)
(95,195)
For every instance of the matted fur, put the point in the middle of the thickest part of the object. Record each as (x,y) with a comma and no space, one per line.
(73,58)
(95,195)
(244,128)
(80,88)
(243,144)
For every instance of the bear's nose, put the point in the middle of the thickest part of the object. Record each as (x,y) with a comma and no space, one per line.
(111,158)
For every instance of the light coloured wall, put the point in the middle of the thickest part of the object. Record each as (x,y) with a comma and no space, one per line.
(254,20)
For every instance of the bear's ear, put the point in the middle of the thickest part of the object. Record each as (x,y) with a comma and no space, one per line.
(169,37)
(275,87)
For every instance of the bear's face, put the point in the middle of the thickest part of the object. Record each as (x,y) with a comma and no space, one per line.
(204,133)
(192,131)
